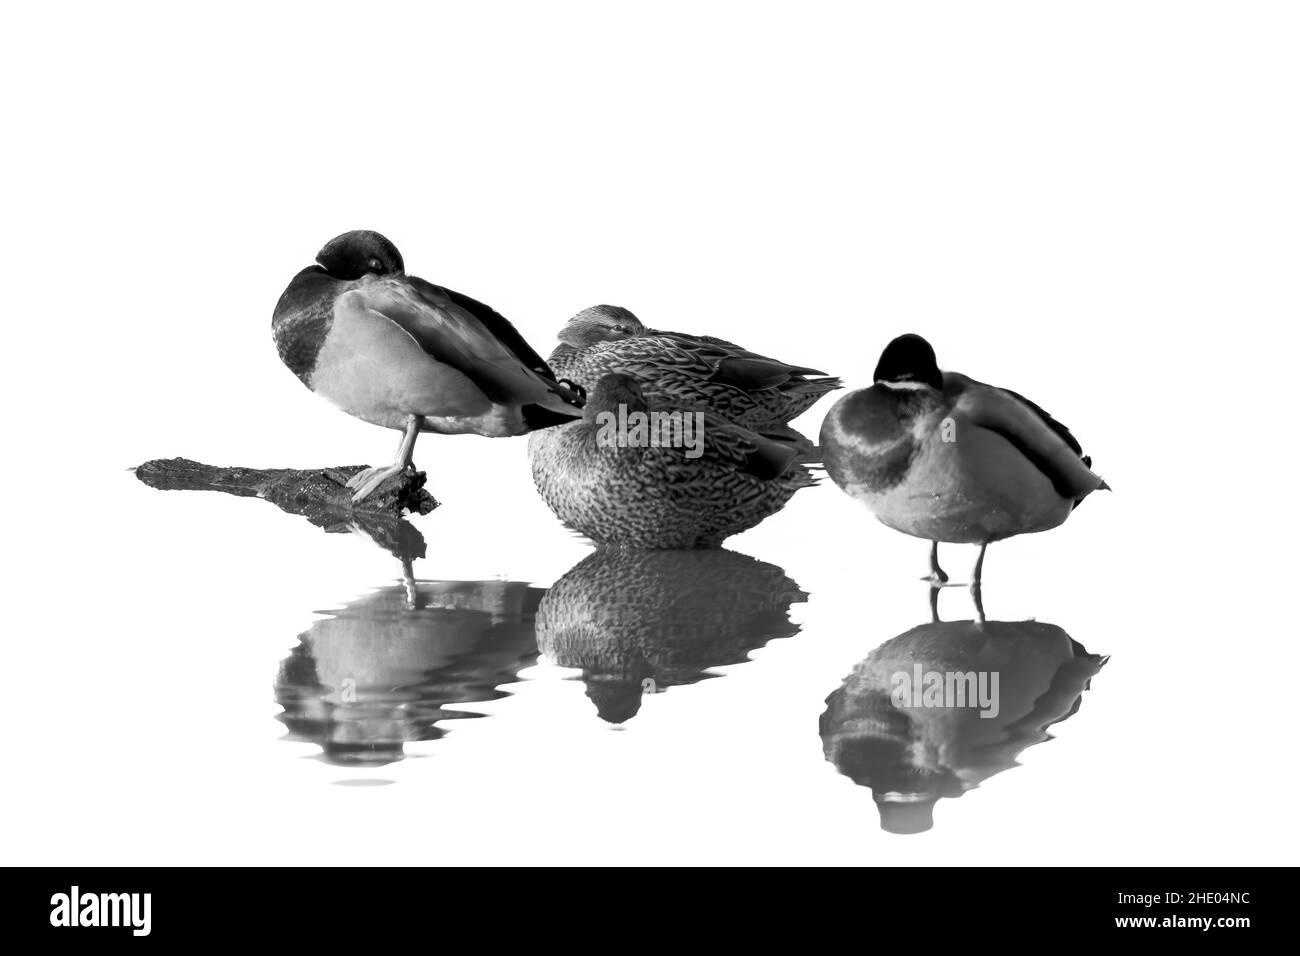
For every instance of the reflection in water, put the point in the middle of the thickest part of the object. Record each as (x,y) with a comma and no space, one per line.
(643,621)
(882,730)
(380,671)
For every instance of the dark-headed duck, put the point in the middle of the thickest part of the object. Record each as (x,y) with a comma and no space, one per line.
(402,353)
(943,457)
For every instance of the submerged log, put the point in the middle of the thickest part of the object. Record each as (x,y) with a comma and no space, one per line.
(320,495)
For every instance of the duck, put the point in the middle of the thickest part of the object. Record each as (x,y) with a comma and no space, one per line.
(940,456)
(695,371)
(618,482)
(402,353)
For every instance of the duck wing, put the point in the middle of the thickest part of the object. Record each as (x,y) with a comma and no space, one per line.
(686,338)
(468,336)
(1048,444)
(1060,429)
(498,326)
(738,366)
(761,456)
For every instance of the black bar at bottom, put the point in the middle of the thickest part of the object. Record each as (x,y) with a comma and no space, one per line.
(331,905)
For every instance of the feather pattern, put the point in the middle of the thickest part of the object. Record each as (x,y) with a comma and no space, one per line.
(627,616)
(687,370)
(649,496)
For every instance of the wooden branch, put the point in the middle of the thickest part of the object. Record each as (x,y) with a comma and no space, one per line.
(318,494)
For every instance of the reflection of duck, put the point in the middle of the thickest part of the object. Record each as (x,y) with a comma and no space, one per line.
(686,371)
(380,672)
(637,621)
(690,484)
(880,729)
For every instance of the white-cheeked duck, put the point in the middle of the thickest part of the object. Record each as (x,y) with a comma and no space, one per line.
(940,456)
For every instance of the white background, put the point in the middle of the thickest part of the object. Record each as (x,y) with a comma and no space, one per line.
(1093,204)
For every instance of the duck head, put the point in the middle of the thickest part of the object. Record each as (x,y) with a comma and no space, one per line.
(600,323)
(612,391)
(909,358)
(358,253)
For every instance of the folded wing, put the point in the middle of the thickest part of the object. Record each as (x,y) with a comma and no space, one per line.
(471,338)
(764,457)
(738,366)
(1042,439)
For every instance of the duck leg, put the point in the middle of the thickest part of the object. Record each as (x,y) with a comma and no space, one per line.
(365,482)
(408,585)
(979,567)
(976,592)
(936,577)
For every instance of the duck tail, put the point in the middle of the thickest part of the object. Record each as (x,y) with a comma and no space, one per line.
(827,383)
(570,392)
(561,403)
(770,459)
(537,417)
(1101,486)
(806,451)
(561,394)
(815,387)
(802,476)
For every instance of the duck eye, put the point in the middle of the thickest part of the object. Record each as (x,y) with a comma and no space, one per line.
(376,265)
(620,328)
